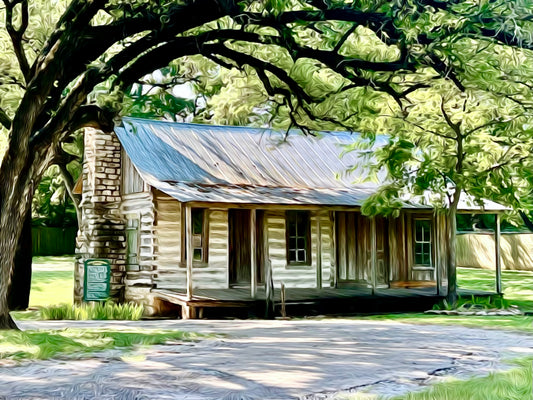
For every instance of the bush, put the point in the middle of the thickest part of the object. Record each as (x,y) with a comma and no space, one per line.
(474,302)
(93,311)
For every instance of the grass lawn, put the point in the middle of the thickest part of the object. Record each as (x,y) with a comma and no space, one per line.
(517,285)
(52,281)
(514,384)
(43,344)
(518,290)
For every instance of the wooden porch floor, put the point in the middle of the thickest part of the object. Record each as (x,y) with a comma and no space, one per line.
(380,300)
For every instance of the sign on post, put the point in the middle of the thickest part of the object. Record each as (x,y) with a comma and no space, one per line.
(96,280)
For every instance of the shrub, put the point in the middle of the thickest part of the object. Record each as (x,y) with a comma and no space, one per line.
(93,311)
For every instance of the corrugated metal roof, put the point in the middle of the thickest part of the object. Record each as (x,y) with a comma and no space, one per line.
(207,163)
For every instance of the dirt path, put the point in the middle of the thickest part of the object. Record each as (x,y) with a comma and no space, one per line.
(269,360)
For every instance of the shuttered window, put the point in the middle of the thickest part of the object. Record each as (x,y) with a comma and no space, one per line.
(132,241)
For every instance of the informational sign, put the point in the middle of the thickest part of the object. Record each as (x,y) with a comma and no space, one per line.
(96,280)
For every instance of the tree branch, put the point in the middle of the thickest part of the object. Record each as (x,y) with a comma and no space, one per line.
(17,34)
(5,120)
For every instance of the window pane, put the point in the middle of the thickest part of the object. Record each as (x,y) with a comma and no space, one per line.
(418,229)
(197,255)
(197,215)
(292,243)
(301,255)
(292,255)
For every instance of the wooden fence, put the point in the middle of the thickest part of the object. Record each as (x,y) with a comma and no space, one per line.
(48,241)
(477,250)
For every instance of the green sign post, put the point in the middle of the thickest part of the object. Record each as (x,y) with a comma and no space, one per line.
(96,280)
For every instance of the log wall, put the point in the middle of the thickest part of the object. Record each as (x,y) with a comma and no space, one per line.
(300,276)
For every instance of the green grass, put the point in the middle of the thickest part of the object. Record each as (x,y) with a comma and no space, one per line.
(518,290)
(517,285)
(22,345)
(515,384)
(52,281)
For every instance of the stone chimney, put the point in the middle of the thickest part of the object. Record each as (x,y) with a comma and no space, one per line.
(102,228)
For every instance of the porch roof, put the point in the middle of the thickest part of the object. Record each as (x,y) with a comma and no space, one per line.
(229,164)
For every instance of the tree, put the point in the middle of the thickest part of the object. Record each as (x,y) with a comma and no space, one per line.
(75,74)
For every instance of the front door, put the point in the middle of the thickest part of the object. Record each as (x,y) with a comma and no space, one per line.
(239,248)
(354,247)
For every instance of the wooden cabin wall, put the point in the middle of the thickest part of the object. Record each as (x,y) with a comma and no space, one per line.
(328,250)
(171,272)
(215,274)
(299,276)
(139,277)
(167,232)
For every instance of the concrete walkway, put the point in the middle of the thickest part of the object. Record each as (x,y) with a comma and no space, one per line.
(307,359)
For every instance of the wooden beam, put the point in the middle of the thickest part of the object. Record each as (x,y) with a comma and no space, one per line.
(318,252)
(497,249)
(253,253)
(189,244)
(373,253)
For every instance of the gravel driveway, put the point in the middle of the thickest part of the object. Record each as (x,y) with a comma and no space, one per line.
(306,359)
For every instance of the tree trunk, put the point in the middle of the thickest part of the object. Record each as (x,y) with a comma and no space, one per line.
(20,173)
(12,217)
(19,290)
(451,222)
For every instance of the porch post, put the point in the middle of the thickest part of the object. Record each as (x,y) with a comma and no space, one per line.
(190,251)
(318,252)
(497,248)
(253,253)
(373,253)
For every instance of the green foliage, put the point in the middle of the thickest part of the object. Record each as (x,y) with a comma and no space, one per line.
(474,303)
(94,311)
(52,205)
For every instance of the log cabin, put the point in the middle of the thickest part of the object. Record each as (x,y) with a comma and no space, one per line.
(201,217)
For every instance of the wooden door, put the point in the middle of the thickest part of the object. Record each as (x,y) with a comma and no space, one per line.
(382,254)
(352,248)
(239,248)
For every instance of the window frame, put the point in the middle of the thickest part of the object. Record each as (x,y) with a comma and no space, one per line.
(430,241)
(204,238)
(306,236)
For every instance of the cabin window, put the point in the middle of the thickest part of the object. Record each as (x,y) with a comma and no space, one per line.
(131,180)
(422,242)
(298,234)
(200,225)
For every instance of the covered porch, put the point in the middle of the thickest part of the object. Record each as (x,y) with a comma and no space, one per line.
(298,301)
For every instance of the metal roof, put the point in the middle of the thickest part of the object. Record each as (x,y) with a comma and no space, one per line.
(229,164)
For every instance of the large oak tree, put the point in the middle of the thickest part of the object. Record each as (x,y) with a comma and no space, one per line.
(319,62)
